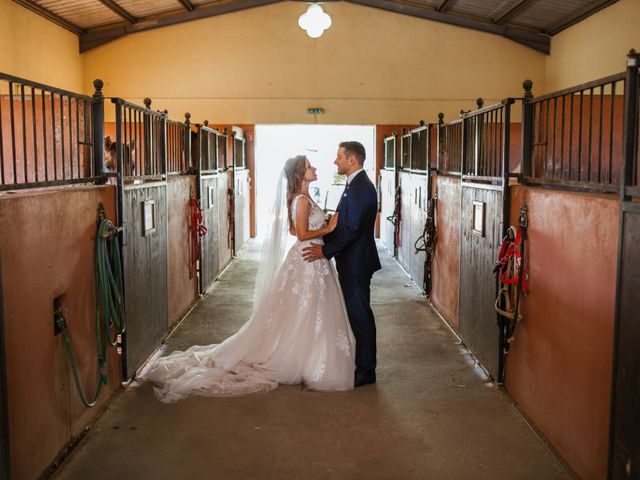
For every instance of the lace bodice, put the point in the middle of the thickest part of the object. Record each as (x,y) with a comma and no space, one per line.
(316,215)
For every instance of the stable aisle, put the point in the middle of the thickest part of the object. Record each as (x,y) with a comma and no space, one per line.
(432,414)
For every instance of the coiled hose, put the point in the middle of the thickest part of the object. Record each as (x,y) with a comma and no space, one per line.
(109,305)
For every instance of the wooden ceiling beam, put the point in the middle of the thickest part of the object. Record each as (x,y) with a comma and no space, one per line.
(96,37)
(188,5)
(118,10)
(537,41)
(444,5)
(513,11)
(49,15)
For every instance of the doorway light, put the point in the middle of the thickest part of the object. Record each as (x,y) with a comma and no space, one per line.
(314,21)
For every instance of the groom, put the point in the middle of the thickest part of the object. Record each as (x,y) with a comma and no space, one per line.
(353,245)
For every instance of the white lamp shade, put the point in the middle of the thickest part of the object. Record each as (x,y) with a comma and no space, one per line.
(314,21)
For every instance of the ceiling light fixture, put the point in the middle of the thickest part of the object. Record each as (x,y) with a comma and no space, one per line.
(314,21)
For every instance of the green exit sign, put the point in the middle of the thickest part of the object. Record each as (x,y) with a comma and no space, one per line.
(315,111)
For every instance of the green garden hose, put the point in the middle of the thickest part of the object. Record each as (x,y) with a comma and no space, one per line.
(109,305)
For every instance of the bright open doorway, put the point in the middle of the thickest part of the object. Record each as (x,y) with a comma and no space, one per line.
(274,144)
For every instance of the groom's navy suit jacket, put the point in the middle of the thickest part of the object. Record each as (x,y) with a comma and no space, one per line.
(352,243)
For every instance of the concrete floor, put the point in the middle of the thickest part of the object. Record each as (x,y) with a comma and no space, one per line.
(431,415)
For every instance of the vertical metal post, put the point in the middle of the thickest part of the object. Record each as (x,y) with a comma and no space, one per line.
(148,139)
(206,138)
(464,144)
(233,192)
(5,453)
(244,152)
(506,144)
(428,166)
(199,191)
(629,144)
(439,141)
(188,159)
(478,138)
(164,143)
(122,237)
(526,167)
(619,443)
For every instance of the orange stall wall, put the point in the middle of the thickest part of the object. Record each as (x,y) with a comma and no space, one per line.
(47,241)
(558,368)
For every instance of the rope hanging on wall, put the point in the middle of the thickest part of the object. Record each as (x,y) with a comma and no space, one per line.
(512,277)
(427,243)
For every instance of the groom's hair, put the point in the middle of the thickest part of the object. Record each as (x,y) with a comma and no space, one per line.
(356,149)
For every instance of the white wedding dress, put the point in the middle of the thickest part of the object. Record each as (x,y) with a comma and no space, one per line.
(298,333)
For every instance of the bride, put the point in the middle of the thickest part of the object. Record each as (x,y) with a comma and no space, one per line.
(298,332)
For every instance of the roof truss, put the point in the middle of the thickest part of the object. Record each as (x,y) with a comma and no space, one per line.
(505,23)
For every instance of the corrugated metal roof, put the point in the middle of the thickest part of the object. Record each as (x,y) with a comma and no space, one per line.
(149,8)
(86,14)
(530,22)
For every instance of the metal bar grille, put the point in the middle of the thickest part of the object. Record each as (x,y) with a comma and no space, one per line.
(577,135)
(144,150)
(390,152)
(484,131)
(419,148)
(405,152)
(176,147)
(44,135)
(450,148)
(211,153)
(223,160)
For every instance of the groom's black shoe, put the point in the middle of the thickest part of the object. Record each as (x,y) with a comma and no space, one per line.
(364,378)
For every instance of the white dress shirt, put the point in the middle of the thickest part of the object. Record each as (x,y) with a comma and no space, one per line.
(353,175)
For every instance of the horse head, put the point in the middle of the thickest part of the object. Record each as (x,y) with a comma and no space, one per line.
(111,160)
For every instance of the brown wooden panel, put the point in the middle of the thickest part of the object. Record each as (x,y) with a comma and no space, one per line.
(224,236)
(210,216)
(387,186)
(404,249)
(145,274)
(478,288)
(625,456)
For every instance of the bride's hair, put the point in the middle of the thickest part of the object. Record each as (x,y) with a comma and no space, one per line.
(294,170)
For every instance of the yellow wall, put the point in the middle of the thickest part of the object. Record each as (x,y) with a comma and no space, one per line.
(34,48)
(258,66)
(593,48)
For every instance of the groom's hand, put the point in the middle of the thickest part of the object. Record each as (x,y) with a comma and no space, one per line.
(312,253)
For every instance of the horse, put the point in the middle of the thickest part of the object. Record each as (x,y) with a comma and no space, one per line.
(111,161)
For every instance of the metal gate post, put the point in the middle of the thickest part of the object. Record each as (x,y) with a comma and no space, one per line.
(97,118)
(527,130)
(439,140)
(506,211)
(624,458)
(122,237)
(5,453)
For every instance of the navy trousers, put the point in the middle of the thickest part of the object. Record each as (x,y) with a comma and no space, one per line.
(357,297)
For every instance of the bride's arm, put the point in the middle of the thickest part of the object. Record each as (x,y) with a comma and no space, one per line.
(302,221)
